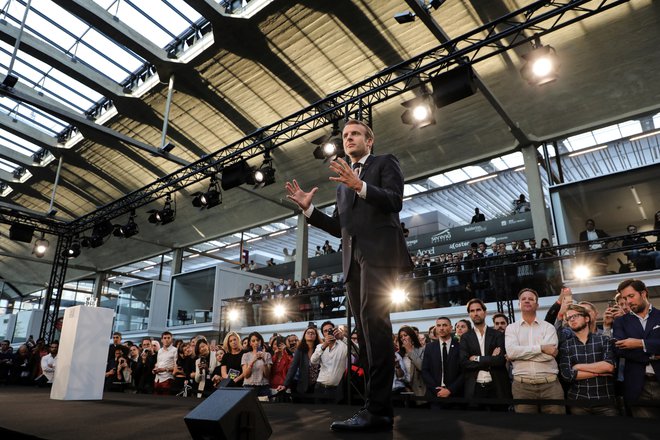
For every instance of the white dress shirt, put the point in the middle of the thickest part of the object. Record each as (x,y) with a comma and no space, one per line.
(523,348)
(332,361)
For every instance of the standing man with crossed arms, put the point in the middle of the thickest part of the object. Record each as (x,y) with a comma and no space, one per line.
(369,199)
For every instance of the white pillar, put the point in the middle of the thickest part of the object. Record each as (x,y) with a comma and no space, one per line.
(302,243)
(535,188)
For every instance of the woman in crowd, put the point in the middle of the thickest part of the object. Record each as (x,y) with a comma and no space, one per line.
(204,366)
(184,368)
(230,370)
(463,326)
(307,373)
(281,362)
(412,355)
(256,365)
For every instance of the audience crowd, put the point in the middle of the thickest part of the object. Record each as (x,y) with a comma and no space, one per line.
(564,359)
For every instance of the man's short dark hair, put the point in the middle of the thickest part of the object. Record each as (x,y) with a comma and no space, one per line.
(445,318)
(638,285)
(501,315)
(527,289)
(116,334)
(476,301)
(327,323)
(165,333)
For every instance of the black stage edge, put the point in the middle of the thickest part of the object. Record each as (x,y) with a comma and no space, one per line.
(28,413)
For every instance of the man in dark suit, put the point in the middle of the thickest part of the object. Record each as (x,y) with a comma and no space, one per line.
(598,262)
(441,367)
(637,337)
(369,198)
(478,216)
(483,358)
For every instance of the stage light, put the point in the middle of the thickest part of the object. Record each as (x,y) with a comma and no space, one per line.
(40,246)
(279,311)
(419,113)
(235,175)
(265,174)
(233,315)
(72,251)
(165,215)
(541,64)
(129,229)
(21,232)
(404,17)
(399,296)
(582,272)
(212,197)
(329,146)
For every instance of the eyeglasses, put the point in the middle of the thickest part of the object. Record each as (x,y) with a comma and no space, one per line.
(328,330)
(572,317)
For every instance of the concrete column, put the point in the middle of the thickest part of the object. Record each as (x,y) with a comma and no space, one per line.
(302,243)
(99,279)
(540,221)
(177,260)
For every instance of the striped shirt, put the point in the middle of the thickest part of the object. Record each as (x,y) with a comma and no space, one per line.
(572,352)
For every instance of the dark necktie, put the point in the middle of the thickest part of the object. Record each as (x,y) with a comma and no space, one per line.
(444,362)
(357,166)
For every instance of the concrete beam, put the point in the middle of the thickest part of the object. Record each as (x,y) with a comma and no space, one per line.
(17,158)
(30,133)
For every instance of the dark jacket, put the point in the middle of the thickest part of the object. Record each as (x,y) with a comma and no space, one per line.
(432,368)
(628,326)
(300,363)
(495,365)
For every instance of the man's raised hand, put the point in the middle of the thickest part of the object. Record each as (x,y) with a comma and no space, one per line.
(298,196)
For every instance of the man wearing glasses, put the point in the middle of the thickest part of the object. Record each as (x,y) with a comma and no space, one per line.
(331,356)
(586,362)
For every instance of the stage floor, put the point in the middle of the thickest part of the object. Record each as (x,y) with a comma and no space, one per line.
(28,413)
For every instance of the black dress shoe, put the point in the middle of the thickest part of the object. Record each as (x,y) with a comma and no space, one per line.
(363,420)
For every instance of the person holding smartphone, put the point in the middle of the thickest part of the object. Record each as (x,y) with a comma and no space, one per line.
(330,356)
(256,365)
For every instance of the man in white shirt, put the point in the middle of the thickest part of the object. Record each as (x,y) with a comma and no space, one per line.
(331,356)
(48,364)
(165,364)
(531,346)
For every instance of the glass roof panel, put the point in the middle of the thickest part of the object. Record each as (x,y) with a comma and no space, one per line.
(5,165)
(656,120)
(630,128)
(17,143)
(606,134)
(580,141)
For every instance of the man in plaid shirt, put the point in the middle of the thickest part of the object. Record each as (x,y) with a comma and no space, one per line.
(587,363)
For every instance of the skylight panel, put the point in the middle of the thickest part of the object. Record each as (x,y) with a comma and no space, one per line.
(474,171)
(513,160)
(656,120)
(455,176)
(440,180)
(606,134)
(7,166)
(17,143)
(630,128)
(581,141)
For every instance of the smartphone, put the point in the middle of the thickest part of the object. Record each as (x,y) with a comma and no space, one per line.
(611,303)
(260,348)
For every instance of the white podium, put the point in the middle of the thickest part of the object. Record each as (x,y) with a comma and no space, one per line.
(83,354)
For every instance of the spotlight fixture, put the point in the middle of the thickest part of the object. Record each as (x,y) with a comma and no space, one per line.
(541,64)
(265,174)
(129,229)
(235,175)
(21,232)
(419,112)
(405,17)
(329,147)
(73,251)
(165,215)
(210,198)
(40,246)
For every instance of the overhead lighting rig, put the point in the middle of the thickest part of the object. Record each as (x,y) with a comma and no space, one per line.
(329,146)
(419,111)
(165,215)
(40,246)
(212,197)
(265,174)
(541,64)
(73,251)
(129,229)
(409,17)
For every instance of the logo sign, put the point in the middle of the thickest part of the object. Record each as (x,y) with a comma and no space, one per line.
(442,236)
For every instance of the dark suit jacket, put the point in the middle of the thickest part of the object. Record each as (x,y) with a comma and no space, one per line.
(299,363)
(628,326)
(372,224)
(495,365)
(432,368)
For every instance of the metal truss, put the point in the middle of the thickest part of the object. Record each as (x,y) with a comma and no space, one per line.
(41,223)
(53,295)
(543,17)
